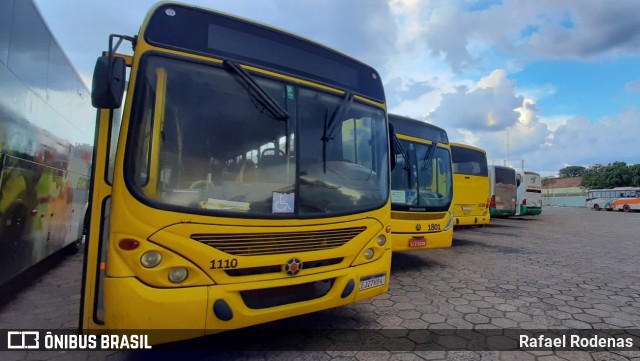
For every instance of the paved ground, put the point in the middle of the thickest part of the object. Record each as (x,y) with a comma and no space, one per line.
(567,269)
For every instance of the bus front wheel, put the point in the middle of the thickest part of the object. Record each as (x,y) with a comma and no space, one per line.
(596,207)
(626,208)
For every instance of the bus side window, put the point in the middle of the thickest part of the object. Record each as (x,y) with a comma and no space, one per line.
(518,180)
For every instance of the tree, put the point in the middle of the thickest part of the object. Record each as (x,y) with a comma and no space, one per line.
(634,172)
(572,171)
(616,174)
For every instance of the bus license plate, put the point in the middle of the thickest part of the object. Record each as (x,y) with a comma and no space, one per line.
(372,281)
(466,209)
(417,242)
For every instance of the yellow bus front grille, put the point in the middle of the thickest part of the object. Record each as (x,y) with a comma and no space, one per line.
(255,244)
(417,216)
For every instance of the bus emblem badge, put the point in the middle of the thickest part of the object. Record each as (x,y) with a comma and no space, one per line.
(293,267)
(418,227)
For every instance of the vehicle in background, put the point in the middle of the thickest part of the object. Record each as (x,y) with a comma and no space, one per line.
(250,181)
(470,185)
(421,186)
(613,198)
(46,143)
(529,193)
(503,191)
(629,202)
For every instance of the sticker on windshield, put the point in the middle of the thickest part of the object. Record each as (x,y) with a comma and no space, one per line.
(398,197)
(290,92)
(412,197)
(282,202)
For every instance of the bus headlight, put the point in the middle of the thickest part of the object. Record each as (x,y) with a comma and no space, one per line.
(178,274)
(151,259)
(449,222)
(368,253)
(382,240)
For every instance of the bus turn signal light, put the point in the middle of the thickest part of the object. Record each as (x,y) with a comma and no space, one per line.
(128,244)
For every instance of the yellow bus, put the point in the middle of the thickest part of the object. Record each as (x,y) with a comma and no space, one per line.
(471,185)
(249,180)
(421,186)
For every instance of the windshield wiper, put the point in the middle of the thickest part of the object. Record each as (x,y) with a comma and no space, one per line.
(330,125)
(426,162)
(405,156)
(261,96)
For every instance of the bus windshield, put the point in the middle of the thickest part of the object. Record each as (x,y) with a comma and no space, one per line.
(426,186)
(201,141)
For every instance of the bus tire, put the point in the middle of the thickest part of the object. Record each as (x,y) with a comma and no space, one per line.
(596,207)
(76,246)
(626,208)
(73,248)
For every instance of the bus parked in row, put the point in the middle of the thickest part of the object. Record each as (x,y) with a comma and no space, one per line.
(614,198)
(529,193)
(421,186)
(46,136)
(470,185)
(503,191)
(247,186)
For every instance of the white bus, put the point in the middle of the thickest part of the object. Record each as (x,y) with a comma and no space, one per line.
(529,193)
(46,142)
(614,198)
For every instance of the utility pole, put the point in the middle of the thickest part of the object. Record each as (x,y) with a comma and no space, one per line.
(522,164)
(508,161)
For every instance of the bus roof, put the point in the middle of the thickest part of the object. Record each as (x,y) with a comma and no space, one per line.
(615,189)
(502,167)
(460,145)
(229,37)
(418,129)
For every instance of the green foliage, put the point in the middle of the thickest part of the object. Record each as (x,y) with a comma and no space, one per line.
(616,174)
(572,171)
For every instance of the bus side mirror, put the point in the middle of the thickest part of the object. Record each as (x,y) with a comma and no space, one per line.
(392,148)
(108,83)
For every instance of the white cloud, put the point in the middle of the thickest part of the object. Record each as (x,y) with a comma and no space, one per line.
(632,86)
(554,122)
(490,106)
(582,142)
(544,29)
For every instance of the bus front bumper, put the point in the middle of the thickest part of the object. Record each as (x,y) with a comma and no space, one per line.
(415,241)
(471,220)
(180,313)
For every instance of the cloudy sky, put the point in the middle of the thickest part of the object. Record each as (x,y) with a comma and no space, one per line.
(558,81)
